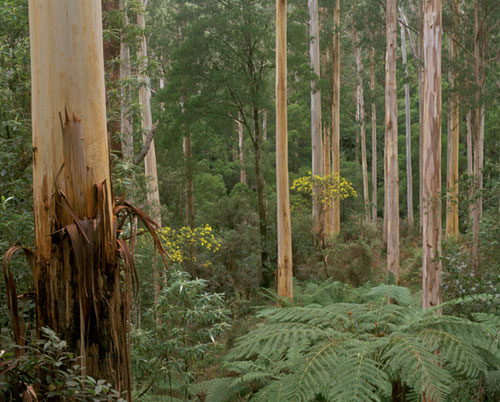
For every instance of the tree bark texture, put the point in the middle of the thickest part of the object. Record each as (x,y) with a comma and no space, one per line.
(77,276)
(409,173)
(431,239)
(391,134)
(453,139)
(285,274)
(336,114)
(241,148)
(316,135)
(360,97)
(374,136)
(150,169)
(126,127)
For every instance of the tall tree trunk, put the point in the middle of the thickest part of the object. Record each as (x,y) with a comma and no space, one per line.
(409,174)
(317,146)
(453,140)
(77,277)
(189,186)
(374,136)
(241,143)
(150,170)
(126,127)
(431,240)
(361,120)
(327,170)
(285,286)
(336,114)
(264,124)
(391,133)
(477,132)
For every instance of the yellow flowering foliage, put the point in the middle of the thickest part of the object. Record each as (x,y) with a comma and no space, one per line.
(179,243)
(331,186)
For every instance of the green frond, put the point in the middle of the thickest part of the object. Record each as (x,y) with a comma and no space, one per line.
(395,294)
(217,389)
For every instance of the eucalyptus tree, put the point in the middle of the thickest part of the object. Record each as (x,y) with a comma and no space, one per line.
(223,65)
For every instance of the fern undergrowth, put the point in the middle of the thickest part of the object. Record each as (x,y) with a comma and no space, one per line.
(368,344)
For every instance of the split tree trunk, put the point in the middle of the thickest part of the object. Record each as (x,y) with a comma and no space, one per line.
(77,276)
(431,239)
(453,140)
(285,286)
(391,134)
(336,114)
(360,97)
(316,137)
(150,170)
(409,173)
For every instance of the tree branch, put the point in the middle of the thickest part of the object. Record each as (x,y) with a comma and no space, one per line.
(147,144)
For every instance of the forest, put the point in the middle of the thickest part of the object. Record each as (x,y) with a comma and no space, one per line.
(250,200)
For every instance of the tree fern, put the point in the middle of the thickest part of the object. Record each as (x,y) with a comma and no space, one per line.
(358,350)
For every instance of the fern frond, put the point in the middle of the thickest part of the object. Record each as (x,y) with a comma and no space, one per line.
(396,294)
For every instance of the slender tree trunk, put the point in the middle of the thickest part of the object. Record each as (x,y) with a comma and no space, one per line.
(285,286)
(327,170)
(189,187)
(336,114)
(317,146)
(77,277)
(264,124)
(241,143)
(453,141)
(150,170)
(374,136)
(361,119)
(126,127)
(391,133)
(431,242)
(409,174)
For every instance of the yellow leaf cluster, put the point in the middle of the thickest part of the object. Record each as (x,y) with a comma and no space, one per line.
(179,243)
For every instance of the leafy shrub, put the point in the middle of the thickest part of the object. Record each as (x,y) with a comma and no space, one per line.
(47,370)
(374,345)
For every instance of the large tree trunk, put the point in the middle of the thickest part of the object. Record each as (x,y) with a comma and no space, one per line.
(316,137)
(374,136)
(360,97)
(285,287)
(477,132)
(453,140)
(409,174)
(391,133)
(336,114)
(77,276)
(431,239)
(126,127)
(150,170)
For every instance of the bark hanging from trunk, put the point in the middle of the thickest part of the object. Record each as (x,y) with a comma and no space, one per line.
(285,286)
(391,134)
(77,276)
(431,240)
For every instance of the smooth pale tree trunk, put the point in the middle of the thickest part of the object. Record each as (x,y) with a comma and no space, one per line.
(77,277)
(327,169)
(316,136)
(374,136)
(391,134)
(150,170)
(431,238)
(285,274)
(360,97)
(453,140)
(126,127)
(241,143)
(409,174)
(477,132)
(336,114)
